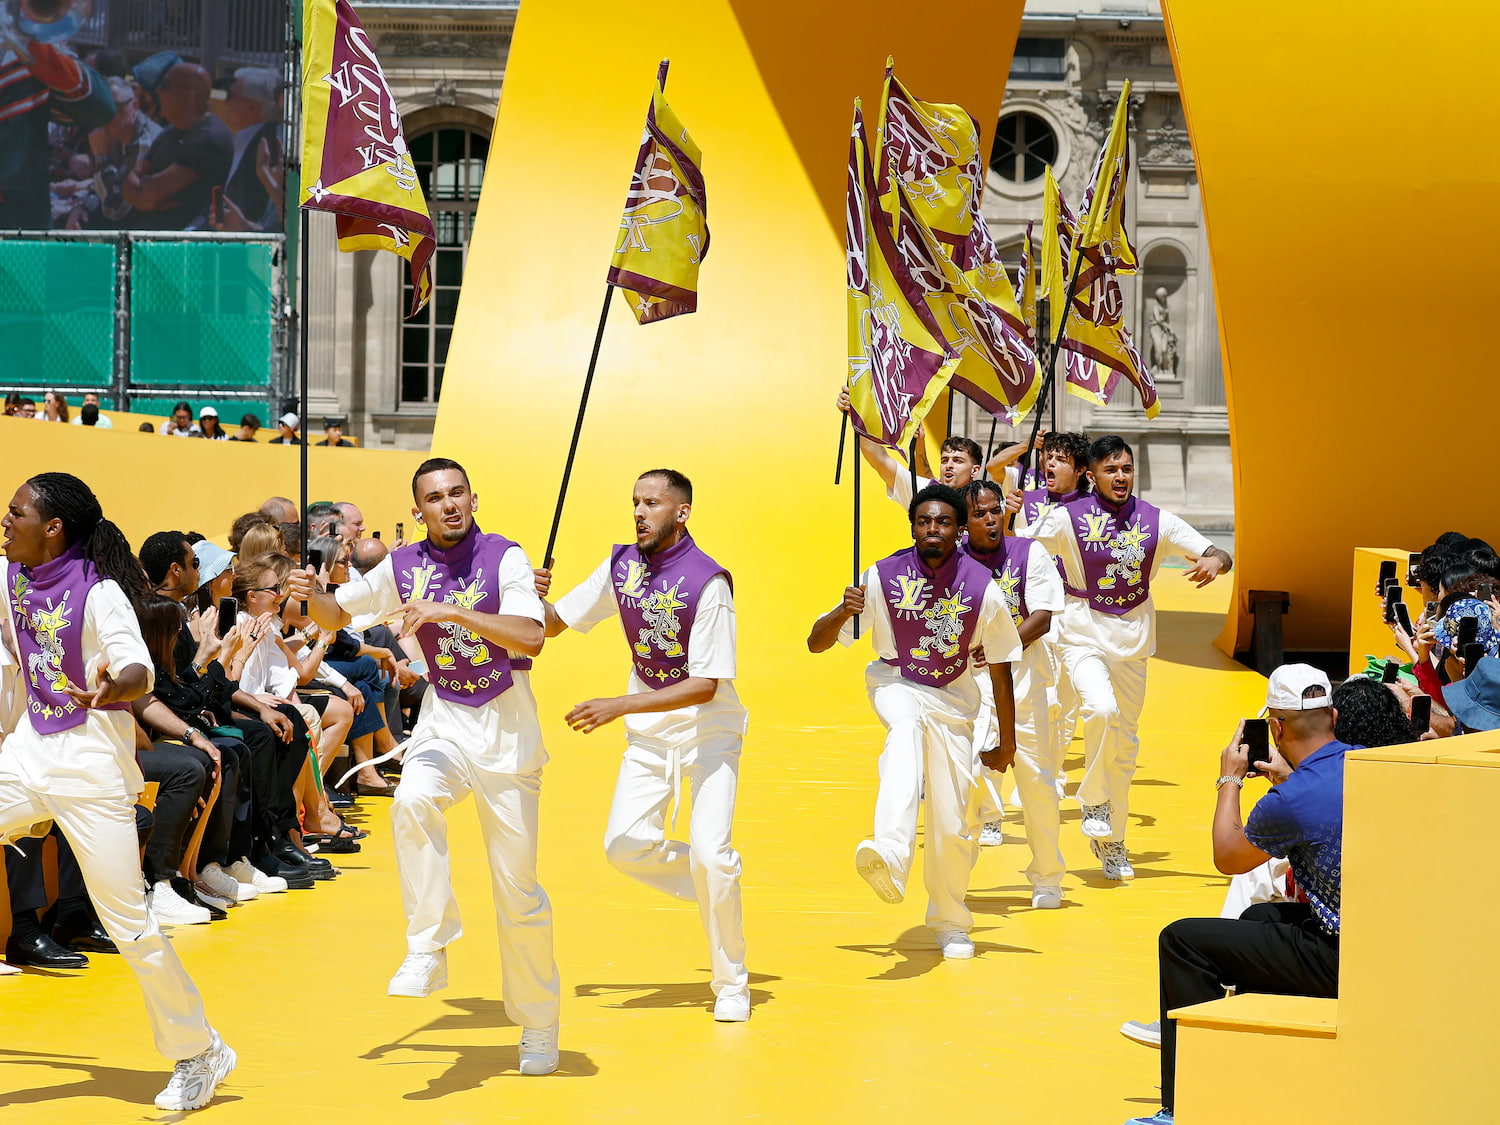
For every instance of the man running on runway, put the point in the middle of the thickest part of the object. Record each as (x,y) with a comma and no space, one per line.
(70,587)
(1111,544)
(469,598)
(929,608)
(682,717)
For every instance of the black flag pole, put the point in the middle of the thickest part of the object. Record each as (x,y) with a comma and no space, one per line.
(583,405)
(912,459)
(838,466)
(855,476)
(302,365)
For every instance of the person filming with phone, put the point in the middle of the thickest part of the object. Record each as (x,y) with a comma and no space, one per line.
(1289,948)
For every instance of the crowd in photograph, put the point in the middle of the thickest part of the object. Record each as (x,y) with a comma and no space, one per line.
(182,422)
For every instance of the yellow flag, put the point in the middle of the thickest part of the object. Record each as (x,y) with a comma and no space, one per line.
(664,230)
(1104,201)
(932,150)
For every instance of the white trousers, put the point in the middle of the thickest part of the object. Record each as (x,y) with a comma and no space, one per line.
(929,734)
(1111,694)
(102,833)
(1062,700)
(706,869)
(435,777)
(1037,767)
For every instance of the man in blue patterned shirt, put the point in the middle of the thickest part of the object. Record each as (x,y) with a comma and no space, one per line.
(1279,947)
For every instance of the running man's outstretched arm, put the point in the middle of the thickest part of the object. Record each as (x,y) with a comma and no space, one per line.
(875,454)
(825,631)
(594,713)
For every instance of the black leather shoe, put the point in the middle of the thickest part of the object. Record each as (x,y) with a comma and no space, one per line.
(291,855)
(297,878)
(43,953)
(85,937)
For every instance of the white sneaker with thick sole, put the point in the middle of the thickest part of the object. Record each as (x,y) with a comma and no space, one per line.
(539,1050)
(170,909)
(244,872)
(1146,1034)
(1096,823)
(225,885)
(874,870)
(732,1007)
(194,1080)
(956,945)
(1111,854)
(1046,898)
(424,973)
(992,835)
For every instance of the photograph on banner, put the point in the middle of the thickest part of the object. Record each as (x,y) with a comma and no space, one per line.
(142,115)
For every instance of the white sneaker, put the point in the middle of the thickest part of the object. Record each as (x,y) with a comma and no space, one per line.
(1111,853)
(170,909)
(874,870)
(991,835)
(208,898)
(226,885)
(732,1007)
(1096,823)
(194,1080)
(956,945)
(1146,1034)
(246,873)
(424,973)
(538,1049)
(1046,898)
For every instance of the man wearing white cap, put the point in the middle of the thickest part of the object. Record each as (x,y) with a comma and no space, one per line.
(286,427)
(1275,947)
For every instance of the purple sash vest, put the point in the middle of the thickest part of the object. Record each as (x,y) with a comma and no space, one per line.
(463,667)
(1009,563)
(933,613)
(1118,549)
(47,606)
(658,596)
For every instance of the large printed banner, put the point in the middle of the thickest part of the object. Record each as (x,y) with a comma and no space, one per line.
(132,115)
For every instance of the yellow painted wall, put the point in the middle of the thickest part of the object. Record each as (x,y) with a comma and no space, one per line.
(150,483)
(1342,271)
(738,395)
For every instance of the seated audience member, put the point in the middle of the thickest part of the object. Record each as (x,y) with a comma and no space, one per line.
(90,409)
(249,427)
(26,408)
(286,430)
(354,521)
(1277,947)
(410,669)
(54,407)
(1475,699)
(261,539)
(181,423)
(145,428)
(75,932)
(333,433)
(322,517)
(243,524)
(278,509)
(291,538)
(208,423)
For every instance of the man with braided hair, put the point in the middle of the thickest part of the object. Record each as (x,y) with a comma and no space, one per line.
(73,660)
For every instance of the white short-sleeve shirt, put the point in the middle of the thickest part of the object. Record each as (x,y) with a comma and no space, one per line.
(711,655)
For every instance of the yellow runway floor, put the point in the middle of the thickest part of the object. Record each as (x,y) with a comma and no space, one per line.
(857,1018)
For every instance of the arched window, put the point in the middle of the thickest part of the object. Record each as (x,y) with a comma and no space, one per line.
(1024,146)
(450,160)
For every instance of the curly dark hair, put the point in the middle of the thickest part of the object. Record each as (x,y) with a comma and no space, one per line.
(944,495)
(1369,714)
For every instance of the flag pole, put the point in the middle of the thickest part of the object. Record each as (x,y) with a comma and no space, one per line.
(583,405)
(302,366)
(1048,384)
(912,459)
(855,475)
(838,466)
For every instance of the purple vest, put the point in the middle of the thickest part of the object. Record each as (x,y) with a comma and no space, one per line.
(1008,563)
(933,613)
(1117,549)
(463,667)
(47,605)
(1037,502)
(658,596)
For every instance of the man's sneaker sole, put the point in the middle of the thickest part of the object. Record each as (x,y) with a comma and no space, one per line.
(872,869)
(226,1063)
(417,991)
(1145,1036)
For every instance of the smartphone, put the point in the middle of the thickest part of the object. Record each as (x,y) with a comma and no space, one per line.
(375,534)
(1473,654)
(401,532)
(1257,737)
(1413,560)
(315,559)
(1430,610)
(1387,574)
(216,201)
(1392,596)
(229,612)
(1403,619)
(1468,633)
(1421,714)
(1390,673)
(1485,591)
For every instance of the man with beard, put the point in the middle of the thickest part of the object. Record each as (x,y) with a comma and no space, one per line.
(929,608)
(469,599)
(682,718)
(1110,544)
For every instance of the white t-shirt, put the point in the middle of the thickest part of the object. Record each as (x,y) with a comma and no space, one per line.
(502,735)
(97,758)
(710,655)
(900,490)
(169,429)
(1130,636)
(100,423)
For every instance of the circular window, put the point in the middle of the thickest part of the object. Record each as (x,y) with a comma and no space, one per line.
(1024,146)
